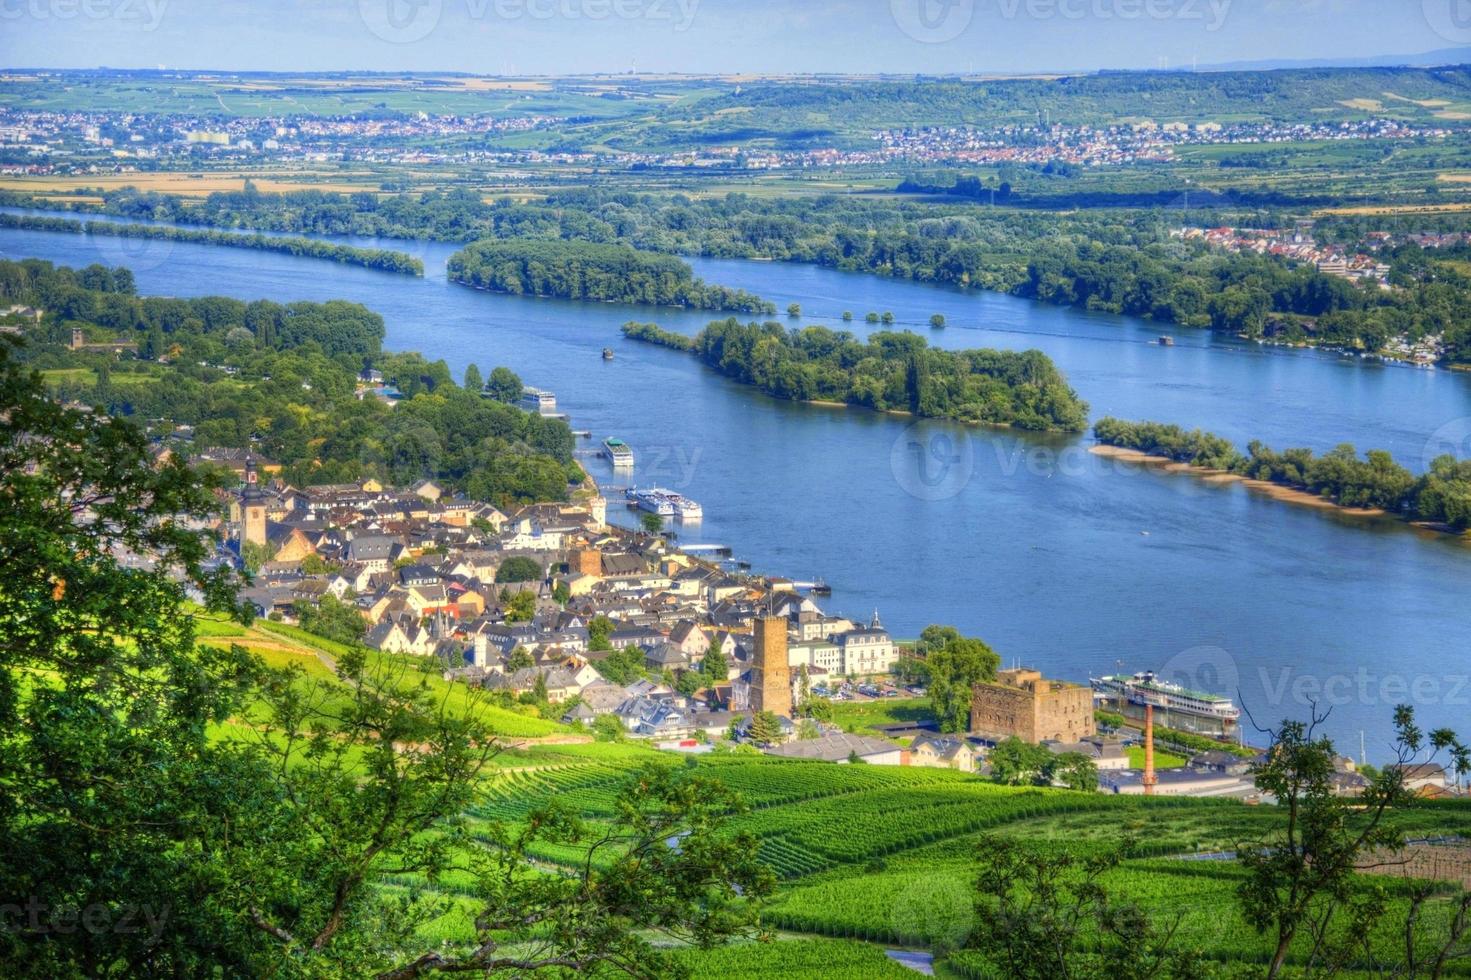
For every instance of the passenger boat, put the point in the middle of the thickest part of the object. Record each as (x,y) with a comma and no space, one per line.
(666,503)
(1145,689)
(617,452)
(539,401)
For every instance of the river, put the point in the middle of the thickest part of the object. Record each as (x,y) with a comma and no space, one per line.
(1059,559)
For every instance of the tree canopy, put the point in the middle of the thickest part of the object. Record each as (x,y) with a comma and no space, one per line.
(953,665)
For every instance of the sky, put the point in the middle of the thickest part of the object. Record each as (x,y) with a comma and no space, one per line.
(542,37)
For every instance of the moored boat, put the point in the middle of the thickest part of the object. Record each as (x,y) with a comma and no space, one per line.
(617,451)
(539,401)
(665,503)
(1144,688)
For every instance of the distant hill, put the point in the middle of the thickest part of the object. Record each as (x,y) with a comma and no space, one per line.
(794,113)
(1425,59)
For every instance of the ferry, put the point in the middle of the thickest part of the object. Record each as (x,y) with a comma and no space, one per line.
(666,503)
(617,451)
(654,501)
(539,401)
(1145,689)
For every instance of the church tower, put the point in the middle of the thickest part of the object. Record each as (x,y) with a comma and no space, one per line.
(771,674)
(252,507)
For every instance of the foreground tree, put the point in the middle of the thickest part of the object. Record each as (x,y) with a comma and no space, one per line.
(1305,881)
(1046,914)
(107,780)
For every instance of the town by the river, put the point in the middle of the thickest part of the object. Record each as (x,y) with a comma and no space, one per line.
(1060,559)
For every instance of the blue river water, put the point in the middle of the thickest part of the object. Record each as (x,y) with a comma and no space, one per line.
(1056,557)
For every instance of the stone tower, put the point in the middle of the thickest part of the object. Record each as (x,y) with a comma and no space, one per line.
(252,507)
(771,675)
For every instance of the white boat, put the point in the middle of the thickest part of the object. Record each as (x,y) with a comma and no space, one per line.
(653,501)
(1145,689)
(539,401)
(666,503)
(617,451)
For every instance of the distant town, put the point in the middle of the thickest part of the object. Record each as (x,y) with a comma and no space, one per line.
(39,142)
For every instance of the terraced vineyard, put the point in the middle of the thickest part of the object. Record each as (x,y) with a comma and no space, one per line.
(878,822)
(587,788)
(873,854)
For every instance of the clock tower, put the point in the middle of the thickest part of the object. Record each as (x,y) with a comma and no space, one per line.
(252,507)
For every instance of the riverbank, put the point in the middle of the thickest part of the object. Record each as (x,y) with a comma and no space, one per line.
(382,260)
(1276,491)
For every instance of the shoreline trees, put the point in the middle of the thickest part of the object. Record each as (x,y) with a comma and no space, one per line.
(887,372)
(582,270)
(1441,496)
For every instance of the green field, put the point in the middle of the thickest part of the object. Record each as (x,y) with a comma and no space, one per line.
(859,715)
(1162,760)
